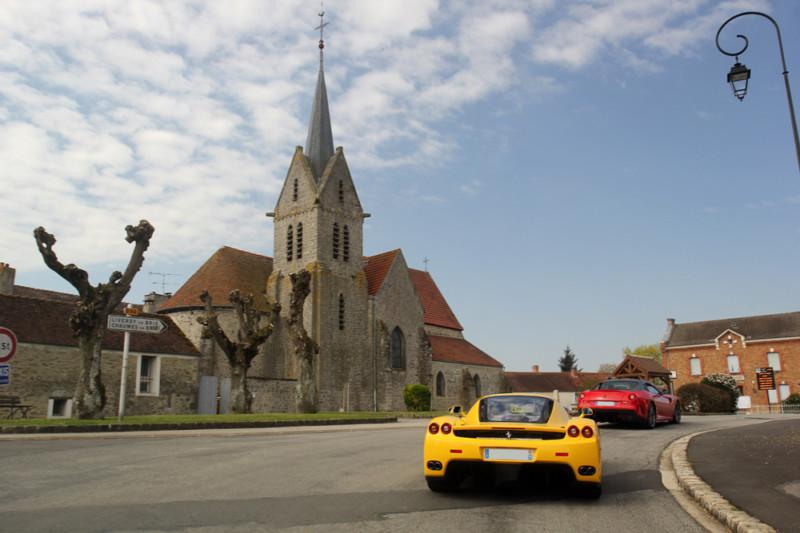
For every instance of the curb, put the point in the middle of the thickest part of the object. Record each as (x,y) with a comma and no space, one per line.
(728,514)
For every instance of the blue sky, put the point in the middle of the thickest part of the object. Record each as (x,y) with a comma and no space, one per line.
(576,172)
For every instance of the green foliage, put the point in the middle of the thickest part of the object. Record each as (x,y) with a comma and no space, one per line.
(703,398)
(793,399)
(568,361)
(417,397)
(645,350)
(726,383)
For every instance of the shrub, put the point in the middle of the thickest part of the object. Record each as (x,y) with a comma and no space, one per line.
(793,399)
(702,398)
(726,383)
(417,397)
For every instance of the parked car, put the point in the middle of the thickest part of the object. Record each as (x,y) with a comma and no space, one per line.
(531,433)
(630,401)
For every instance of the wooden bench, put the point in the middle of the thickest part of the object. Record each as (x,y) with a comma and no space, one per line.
(14,406)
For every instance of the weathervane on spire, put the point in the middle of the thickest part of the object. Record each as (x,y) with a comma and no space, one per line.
(321,27)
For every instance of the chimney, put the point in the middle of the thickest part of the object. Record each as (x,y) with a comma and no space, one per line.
(7,275)
(154,301)
(535,368)
(668,333)
(573,372)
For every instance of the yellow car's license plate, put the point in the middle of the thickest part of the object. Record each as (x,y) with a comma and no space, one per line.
(507,454)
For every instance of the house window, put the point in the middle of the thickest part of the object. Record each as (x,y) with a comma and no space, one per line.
(341,192)
(733,364)
(439,384)
(398,349)
(294,190)
(289,242)
(774,360)
(341,311)
(477,380)
(299,240)
(346,249)
(783,391)
(694,363)
(335,240)
(772,395)
(147,376)
(59,408)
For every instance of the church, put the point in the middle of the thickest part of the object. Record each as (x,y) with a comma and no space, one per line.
(379,324)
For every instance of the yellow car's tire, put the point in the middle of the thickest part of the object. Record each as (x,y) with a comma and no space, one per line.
(589,491)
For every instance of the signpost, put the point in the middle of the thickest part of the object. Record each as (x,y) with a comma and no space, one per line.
(128,323)
(766,381)
(8,345)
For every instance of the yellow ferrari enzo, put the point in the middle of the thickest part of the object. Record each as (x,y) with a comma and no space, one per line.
(530,435)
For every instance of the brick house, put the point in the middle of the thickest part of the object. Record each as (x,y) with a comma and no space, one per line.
(161,371)
(737,346)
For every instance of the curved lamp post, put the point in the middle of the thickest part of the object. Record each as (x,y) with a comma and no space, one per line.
(740,74)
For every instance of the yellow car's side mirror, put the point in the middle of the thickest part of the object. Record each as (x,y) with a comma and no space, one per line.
(456,410)
(586,411)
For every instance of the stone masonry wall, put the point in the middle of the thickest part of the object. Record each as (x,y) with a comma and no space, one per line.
(457,390)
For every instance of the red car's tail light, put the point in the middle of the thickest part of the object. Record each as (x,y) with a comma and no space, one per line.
(573,431)
(631,397)
(587,432)
(446,428)
(433,428)
(582,396)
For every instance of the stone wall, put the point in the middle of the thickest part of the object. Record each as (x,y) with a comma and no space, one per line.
(460,384)
(272,395)
(40,372)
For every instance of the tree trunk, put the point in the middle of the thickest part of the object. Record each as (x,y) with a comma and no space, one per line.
(90,394)
(306,389)
(241,400)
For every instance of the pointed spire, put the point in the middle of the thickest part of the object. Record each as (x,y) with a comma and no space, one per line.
(319,143)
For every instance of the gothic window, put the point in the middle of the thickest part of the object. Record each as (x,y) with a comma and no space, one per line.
(299,240)
(289,242)
(294,190)
(398,349)
(341,192)
(478,386)
(341,311)
(439,384)
(335,240)
(346,247)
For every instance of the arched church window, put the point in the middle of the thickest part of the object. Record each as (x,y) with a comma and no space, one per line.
(341,192)
(398,348)
(341,311)
(477,380)
(346,248)
(335,240)
(295,190)
(439,384)
(289,242)
(299,240)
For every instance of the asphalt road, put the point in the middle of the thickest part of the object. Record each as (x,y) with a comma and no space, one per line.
(344,479)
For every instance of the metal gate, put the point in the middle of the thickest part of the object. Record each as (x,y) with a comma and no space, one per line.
(214,395)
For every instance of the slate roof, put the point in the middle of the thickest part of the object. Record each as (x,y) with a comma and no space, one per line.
(226,270)
(42,321)
(319,143)
(43,294)
(775,326)
(376,269)
(437,311)
(454,350)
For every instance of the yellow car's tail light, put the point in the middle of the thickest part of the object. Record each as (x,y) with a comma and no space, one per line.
(573,431)
(446,428)
(587,432)
(433,428)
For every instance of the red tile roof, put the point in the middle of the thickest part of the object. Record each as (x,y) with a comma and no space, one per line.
(376,269)
(39,321)
(550,381)
(454,350)
(437,312)
(226,270)
(43,294)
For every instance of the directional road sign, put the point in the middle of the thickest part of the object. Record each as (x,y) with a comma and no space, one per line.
(136,324)
(5,374)
(8,344)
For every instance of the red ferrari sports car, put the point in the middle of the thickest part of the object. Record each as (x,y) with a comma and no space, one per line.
(630,401)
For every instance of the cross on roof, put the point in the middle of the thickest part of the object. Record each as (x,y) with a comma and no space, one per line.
(426,261)
(321,27)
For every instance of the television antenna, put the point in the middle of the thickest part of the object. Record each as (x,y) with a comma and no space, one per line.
(163,281)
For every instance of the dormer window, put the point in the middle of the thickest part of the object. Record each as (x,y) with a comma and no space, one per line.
(346,249)
(335,240)
(289,242)
(295,190)
(299,240)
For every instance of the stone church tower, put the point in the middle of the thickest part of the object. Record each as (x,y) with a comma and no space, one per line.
(318,223)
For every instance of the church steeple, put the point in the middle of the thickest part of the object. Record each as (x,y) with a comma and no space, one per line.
(319,143)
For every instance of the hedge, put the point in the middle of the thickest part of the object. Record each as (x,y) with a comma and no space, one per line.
(701,398)
(417,397)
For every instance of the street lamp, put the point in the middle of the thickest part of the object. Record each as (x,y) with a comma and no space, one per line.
(740,74)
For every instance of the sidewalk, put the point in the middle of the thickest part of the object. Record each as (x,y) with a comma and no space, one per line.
(755,467)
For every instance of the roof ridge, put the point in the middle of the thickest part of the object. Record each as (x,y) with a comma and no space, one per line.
(225,246)
(738,318)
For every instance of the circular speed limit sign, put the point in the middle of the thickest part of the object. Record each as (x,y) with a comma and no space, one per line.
(8,344)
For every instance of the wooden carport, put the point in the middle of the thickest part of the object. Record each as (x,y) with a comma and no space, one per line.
(634,367)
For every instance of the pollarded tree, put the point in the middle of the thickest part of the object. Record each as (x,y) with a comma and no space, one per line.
(304,347)
(88,320)
(240,352)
